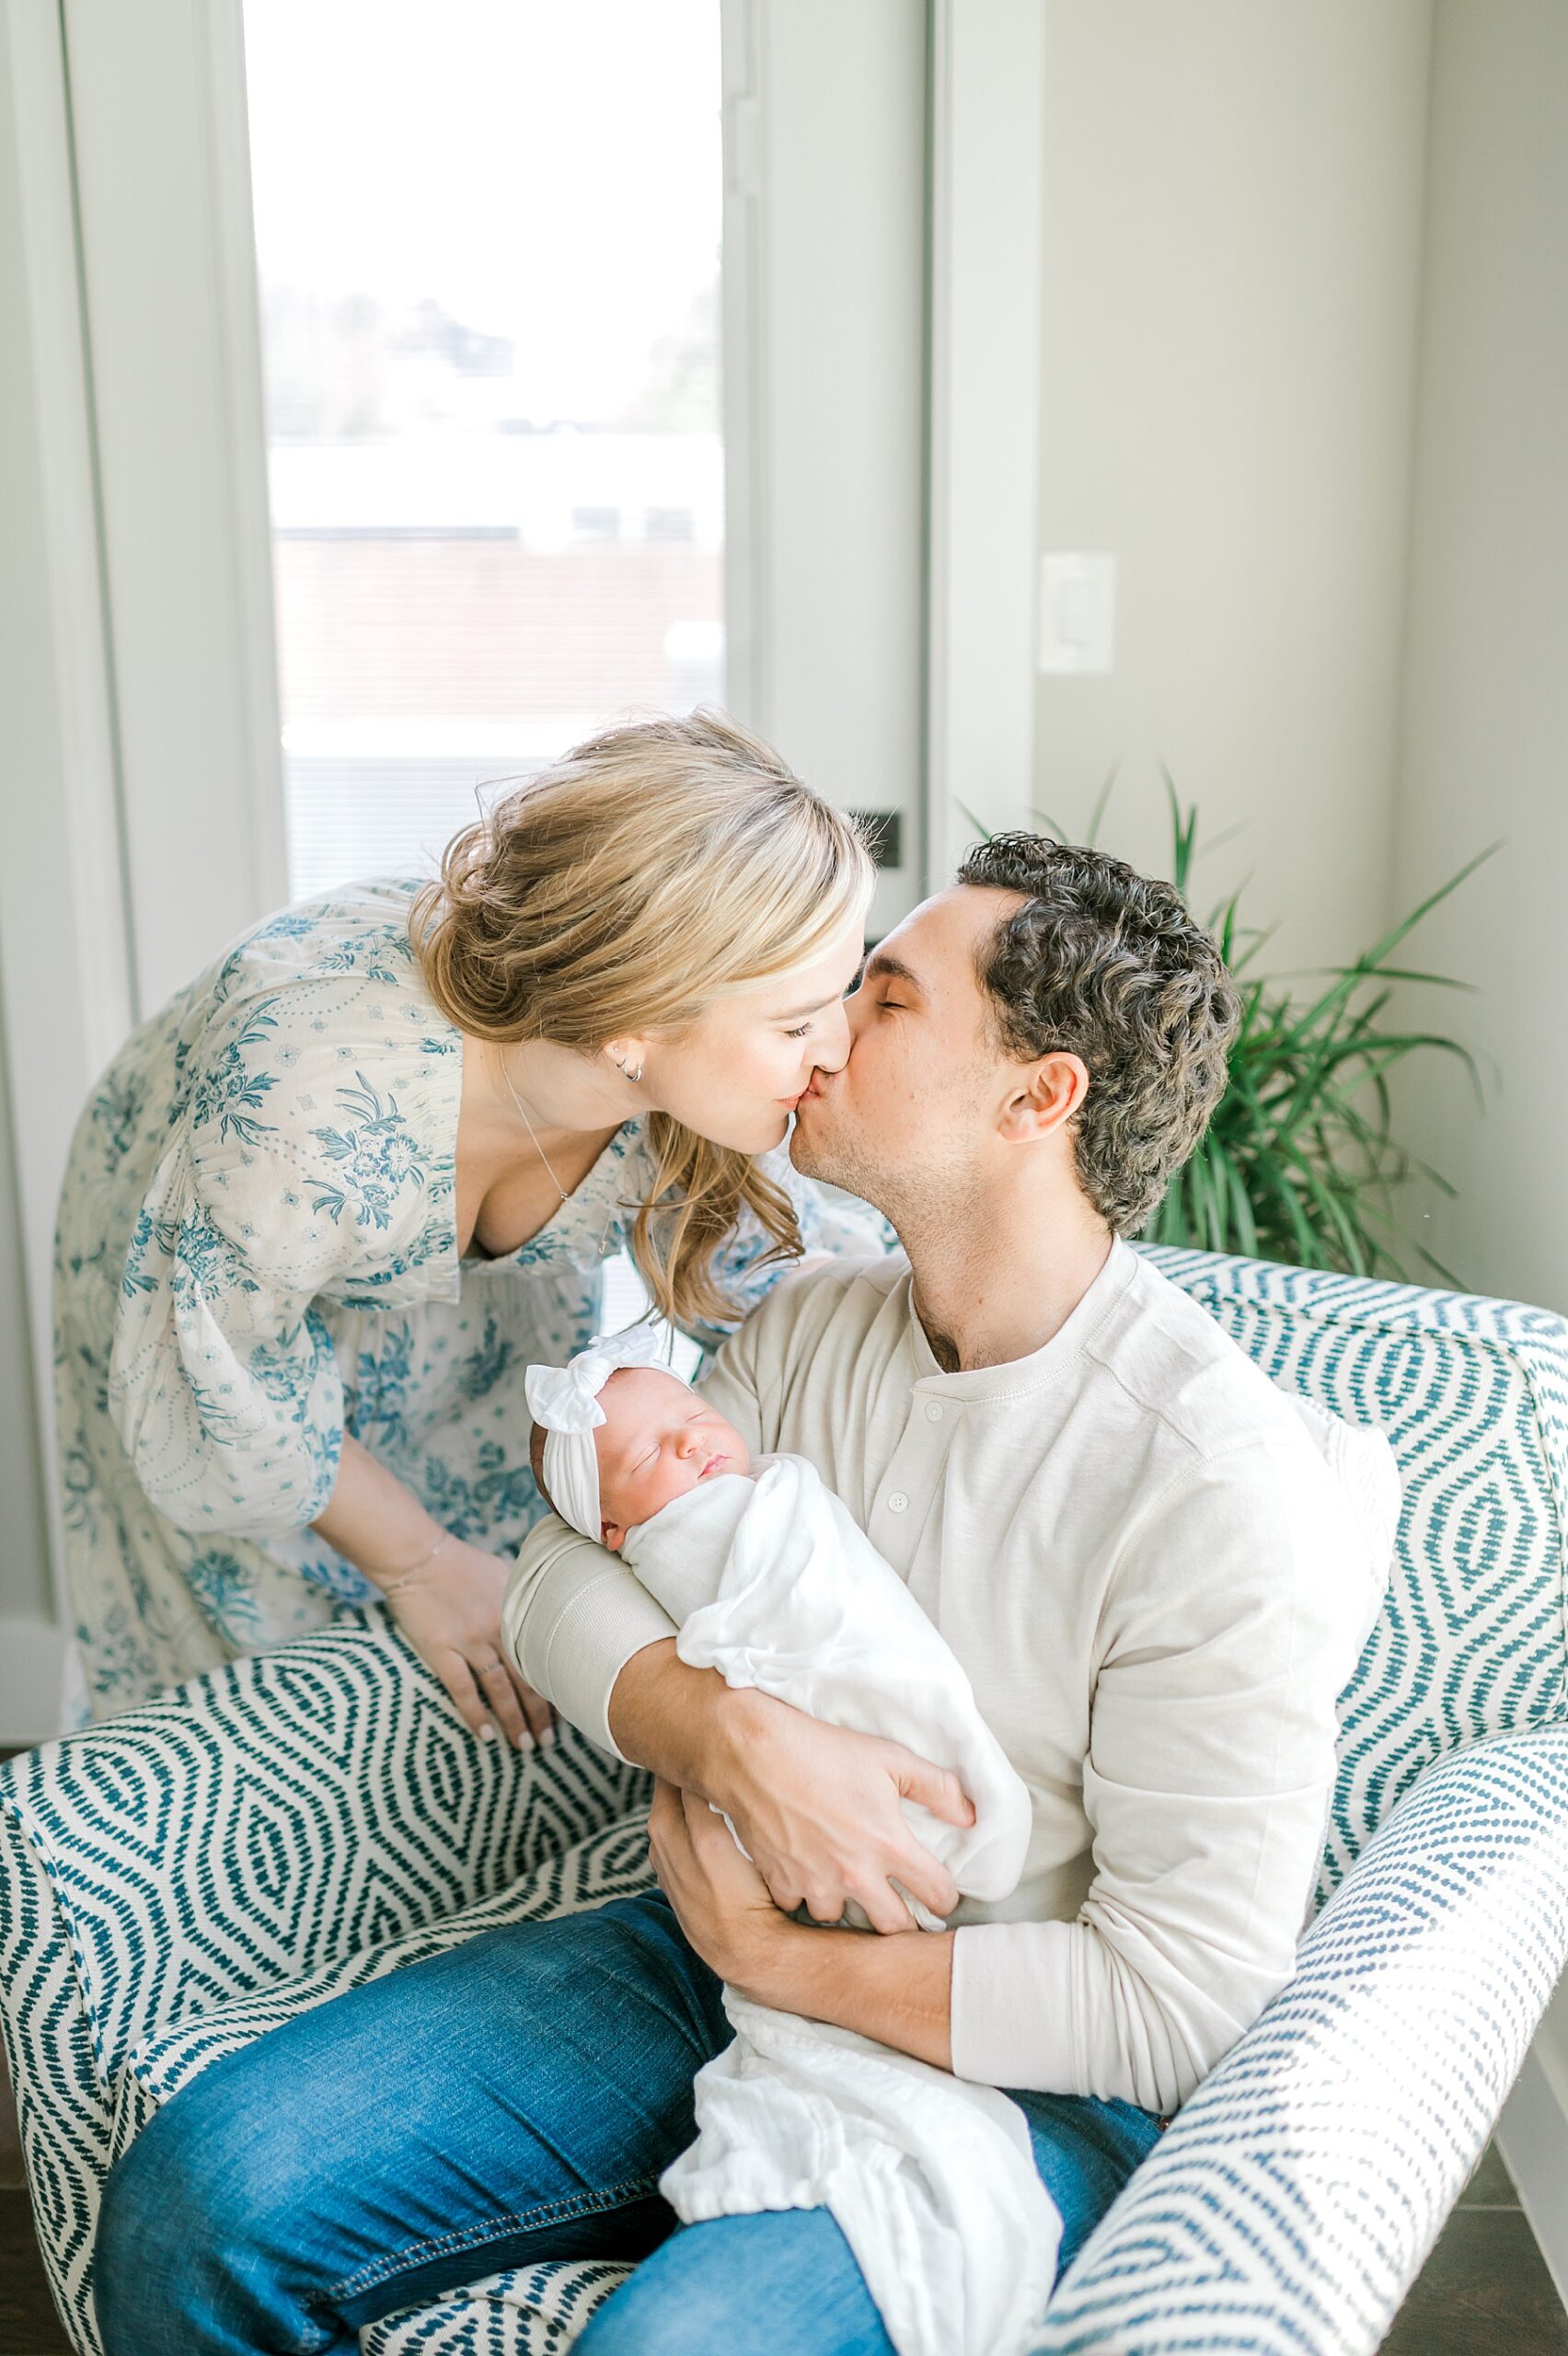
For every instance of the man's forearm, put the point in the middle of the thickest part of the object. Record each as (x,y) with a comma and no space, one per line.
(675,1719)
(897,1988)
(572,1618)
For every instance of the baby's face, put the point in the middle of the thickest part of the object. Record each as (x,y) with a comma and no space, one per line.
(657,1442)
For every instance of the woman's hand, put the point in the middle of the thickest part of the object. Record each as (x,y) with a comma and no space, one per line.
(450,1611)
(818,1809)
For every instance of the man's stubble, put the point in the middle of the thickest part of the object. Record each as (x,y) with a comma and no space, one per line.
(932,1208)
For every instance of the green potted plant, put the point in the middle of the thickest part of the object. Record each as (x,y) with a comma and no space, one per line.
(1300,1162)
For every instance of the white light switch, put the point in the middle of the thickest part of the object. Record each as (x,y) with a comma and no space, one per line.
(1077,613)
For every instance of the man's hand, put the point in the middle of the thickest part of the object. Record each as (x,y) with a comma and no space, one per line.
(720,1898)
(896,1990)
(818,1809)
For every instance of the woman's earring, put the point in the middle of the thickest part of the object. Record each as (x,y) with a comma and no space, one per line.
(633,1076)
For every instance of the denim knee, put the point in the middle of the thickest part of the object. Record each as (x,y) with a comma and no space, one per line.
(781,2283)
(198,2189)
(638,2320)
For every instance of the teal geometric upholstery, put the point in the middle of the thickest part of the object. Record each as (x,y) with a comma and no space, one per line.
(178,1880)
(1293,2201)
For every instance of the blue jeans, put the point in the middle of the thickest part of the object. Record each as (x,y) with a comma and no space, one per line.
(514,2099)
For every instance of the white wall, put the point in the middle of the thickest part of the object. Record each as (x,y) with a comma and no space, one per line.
(24,1560)
(1485,749)
(24,1586)
(31,1640)
(1233,222)
(66,998)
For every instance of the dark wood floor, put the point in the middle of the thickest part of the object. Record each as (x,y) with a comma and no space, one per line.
(1485,2290)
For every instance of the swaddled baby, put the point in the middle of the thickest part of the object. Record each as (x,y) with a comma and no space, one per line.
(769,1580)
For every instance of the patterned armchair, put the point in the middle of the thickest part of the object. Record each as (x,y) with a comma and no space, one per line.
(178,1881)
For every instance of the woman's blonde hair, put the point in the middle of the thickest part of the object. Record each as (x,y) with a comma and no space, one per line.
(654,869)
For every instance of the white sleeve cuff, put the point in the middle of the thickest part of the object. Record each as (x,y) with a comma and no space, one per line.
(572,1619)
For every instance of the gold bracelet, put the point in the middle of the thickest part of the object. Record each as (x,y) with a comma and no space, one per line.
(406,1579)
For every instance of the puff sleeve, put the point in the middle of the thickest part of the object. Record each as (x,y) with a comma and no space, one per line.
(224,1386)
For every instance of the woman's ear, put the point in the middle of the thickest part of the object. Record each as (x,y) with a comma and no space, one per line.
(629,1052)
(1045,1098)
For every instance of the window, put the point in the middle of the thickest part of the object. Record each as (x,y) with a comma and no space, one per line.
(488,243)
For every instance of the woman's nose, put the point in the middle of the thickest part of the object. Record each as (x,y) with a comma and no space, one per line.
(832,1050)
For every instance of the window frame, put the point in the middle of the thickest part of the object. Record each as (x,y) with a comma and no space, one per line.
(878,628)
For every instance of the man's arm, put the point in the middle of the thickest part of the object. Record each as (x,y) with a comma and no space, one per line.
(896,1989)
(572,1620)
(1232,1625)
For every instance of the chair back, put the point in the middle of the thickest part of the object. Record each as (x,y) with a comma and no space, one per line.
(1473,1639)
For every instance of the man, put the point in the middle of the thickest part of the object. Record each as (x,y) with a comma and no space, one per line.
(1125,1535)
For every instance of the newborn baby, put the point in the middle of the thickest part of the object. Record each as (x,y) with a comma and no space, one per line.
(770,1581)
(658,1440)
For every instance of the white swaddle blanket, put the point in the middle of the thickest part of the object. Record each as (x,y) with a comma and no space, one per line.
(931,2180)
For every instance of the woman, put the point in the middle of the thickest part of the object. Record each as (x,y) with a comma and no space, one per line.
(327,1205)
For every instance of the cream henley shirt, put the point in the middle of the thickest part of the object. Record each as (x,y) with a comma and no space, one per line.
(1158,1589)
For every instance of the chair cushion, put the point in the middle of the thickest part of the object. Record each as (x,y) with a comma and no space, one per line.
(526,2310)
(530,2311)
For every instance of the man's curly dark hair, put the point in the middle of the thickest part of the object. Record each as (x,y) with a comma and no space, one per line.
(1104,964)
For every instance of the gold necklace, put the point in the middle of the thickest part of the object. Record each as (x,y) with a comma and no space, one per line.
(532,1132)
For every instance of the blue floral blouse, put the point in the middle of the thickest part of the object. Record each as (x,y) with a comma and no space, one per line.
(257,1252)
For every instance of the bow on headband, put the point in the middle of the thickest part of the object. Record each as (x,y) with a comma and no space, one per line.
(564,1400)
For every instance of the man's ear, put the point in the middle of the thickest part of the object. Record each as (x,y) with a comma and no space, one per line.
(1044,1098)
(612,1535)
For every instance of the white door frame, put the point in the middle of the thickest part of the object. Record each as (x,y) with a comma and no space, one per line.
(824,341)
(988,128)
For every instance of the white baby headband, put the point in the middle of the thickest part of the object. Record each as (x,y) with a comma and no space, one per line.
(564,1401)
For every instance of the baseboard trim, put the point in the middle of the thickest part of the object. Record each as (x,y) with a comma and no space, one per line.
(1532,2135)
(32,1657)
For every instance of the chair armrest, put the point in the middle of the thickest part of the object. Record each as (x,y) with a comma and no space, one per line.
(63,2108)
(1292,2202)
(271,1820)
(274,1816)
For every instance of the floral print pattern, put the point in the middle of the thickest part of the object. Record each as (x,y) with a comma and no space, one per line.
(257,1252)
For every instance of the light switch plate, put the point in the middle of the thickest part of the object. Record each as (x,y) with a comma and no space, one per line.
(1077,613)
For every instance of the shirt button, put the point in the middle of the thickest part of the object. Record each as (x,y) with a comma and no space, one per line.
(933,1413)
(898,1502)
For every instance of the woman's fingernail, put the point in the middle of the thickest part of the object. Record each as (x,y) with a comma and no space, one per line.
(524,1740)
(487,1732)
(548,1736)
